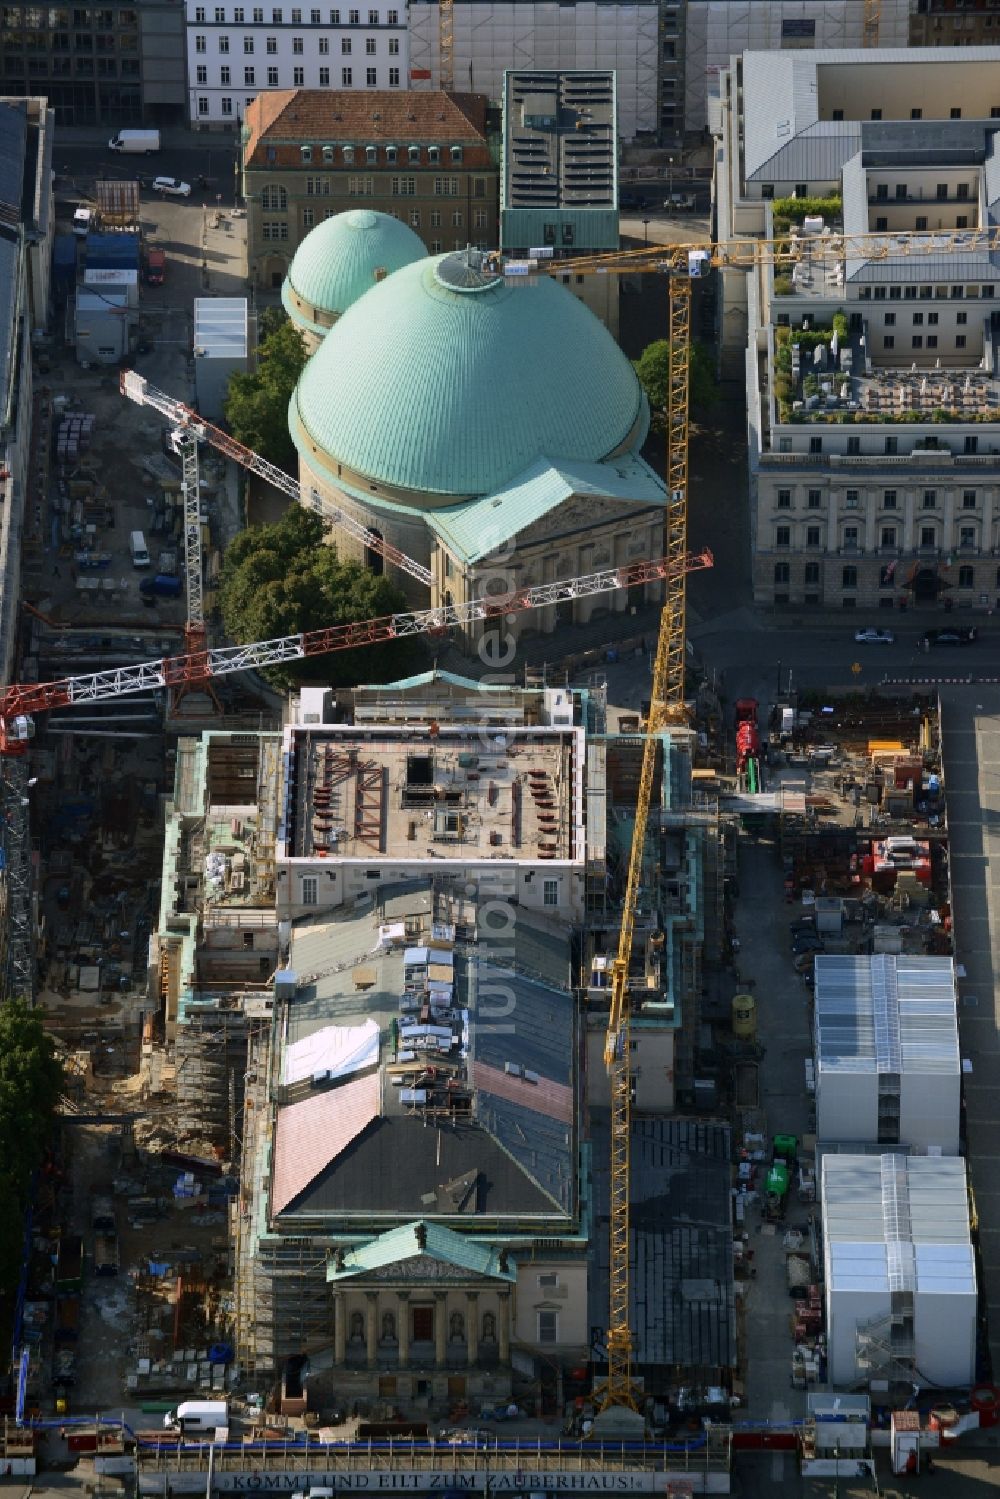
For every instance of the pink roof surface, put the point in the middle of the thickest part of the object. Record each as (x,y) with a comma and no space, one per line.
(554,1100)
(312,1133)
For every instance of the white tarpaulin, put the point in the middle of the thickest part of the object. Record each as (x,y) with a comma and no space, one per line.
(337,1050)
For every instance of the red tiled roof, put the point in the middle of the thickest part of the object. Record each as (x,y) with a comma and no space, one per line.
(309,115)
(554,1100)
(312,1133)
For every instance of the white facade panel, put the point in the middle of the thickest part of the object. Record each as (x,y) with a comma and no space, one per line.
(845,1310)
(929,1108)
(236,52)
(489,39)
(846,1106)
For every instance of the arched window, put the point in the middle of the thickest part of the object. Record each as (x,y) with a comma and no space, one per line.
(274,197)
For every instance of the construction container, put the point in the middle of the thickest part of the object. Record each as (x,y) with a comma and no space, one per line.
(744,1017)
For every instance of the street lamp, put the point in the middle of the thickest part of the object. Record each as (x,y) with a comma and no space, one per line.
(670,181)
(645,231)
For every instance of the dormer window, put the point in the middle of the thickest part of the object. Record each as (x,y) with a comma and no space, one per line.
(413,153)
(371,155)
(434,155)
(307,155)
(456,155)
(328,154)
(349,156)
(391,152)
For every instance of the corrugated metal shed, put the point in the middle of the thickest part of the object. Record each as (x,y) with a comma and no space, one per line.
(220,327)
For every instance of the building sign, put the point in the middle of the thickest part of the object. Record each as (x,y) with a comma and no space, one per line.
(406,1481)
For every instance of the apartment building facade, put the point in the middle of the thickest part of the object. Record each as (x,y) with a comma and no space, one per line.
(235,52)
(872,371)
(559,179)
(422,158)
(115,64)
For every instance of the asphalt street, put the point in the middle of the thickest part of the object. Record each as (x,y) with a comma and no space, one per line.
(211,156)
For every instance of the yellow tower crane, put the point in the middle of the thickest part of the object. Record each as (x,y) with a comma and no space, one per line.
(681,264)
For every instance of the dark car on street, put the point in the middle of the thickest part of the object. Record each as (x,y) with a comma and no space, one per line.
(951,635)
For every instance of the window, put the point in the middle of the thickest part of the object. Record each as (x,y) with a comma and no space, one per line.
(926,292)
(361,187)
(957,293)
(920,222)
(956,114)
(274,231)
(414,218)
(248,78)
(335,18)
(370,46)
(813,499)
(971,444)
(298,77)
(890,319)
(371,77)
(199,15)
(199,44)
(202,104)
(888,536)
(909,293)
(917,319)
(927,535)
(201,74)
(968,499)
(248,46)
(456,219)
(782,572)
(272,78)
(891,448)
(815,444)
(967,536)
(876,114)
(394,78)
(258,17)
(308,217)
(413,155)
(960,341)
(850,536)
(297,48)
(783,536)
(349,151)
(838,114)
(274,197)
(916,342)
(853,499)
(479,218)
(813,536)
(784,499)
(548,1327)
(889,499)
(916,114)
(849,577)
(227,103)
(324,46)
(932,318)
(966,576)
(435,247)
(767,191)
(324,77)
(220,15)
(811,574)
(942,191)
(371,156)
(853,446)
(346,79)
(310,889)
(296,18)
(315,16)
(435,218)
(403,187)
(345,46)
(445,187)
(276,17)
(550,892)
(886,577)
(961,318)
(394,46)
(894,293)
(930,499)
(306,154)
(224,45)
(456,156)
(889,341)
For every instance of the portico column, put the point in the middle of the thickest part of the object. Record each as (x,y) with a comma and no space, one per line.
(472,1326)
(339,1328)
(440,1330)
(403,1328)
(504,1328)
(371,1328)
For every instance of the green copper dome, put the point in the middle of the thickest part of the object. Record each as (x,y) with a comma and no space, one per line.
(445,379)
(344,257)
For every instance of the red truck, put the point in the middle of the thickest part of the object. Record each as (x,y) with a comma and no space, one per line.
(156,267)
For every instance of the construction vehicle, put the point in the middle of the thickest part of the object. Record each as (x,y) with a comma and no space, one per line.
(776,1191)
(748,744)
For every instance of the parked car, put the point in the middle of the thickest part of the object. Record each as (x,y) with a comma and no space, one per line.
(951,635)
(172,187)
(679,200)
(871,636)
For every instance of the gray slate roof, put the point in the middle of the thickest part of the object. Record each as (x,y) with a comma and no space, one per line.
(683,1311)
(13,140)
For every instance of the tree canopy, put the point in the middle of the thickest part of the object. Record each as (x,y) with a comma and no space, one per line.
(282,578)
(257,402)
(653,370)
(31,1081)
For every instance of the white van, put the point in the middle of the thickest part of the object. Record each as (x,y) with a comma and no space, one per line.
(140,554)
(197,1415)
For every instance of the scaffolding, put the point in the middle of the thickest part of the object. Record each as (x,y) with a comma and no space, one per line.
(268,785)
(210,1054)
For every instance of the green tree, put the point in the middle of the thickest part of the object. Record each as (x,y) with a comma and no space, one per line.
(31,1081)
(257,402)
(280,579)
(653,370)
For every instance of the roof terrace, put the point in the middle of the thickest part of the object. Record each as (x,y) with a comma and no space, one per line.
(435,793)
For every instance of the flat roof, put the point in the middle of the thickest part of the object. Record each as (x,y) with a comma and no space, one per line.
(886,1013)
(437,792)
(559,139)
(403,1093)
(220,327)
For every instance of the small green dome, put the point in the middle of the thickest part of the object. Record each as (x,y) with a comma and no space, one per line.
(344,257)
(446,379)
